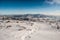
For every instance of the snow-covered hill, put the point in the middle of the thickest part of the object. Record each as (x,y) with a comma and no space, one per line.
(40,29)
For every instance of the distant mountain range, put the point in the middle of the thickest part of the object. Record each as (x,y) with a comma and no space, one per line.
(31,16)
(34,16)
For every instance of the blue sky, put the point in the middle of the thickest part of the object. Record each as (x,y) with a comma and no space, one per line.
(11,7)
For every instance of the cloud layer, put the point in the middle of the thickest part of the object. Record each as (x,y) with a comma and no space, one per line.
(53,1)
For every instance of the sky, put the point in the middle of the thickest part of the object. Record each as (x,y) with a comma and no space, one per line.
(17,7)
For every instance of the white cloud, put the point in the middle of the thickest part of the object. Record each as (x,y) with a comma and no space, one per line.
(56,1)
(53,2)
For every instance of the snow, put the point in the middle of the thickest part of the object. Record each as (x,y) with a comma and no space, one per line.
(26,30)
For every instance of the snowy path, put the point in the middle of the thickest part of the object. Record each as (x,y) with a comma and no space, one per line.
(36,27)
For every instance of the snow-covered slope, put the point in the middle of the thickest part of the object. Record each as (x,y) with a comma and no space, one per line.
(28,30)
